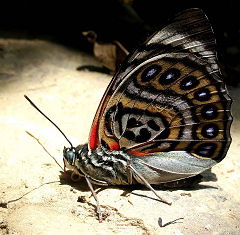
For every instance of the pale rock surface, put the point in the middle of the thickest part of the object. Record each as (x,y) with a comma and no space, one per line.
(47,73)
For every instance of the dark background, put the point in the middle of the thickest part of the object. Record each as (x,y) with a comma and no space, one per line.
(129,22)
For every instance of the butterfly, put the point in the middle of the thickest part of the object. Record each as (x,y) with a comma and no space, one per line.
(165,115)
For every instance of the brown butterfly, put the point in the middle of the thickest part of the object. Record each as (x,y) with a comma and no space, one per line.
(165,115)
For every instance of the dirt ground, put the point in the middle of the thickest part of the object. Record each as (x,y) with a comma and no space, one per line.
(35,196)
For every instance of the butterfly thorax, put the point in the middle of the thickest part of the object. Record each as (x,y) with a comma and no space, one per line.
(100,166)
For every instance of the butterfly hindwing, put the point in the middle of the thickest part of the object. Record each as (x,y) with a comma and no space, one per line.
(168,96)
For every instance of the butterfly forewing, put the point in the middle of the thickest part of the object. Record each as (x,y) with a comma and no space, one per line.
(168,96)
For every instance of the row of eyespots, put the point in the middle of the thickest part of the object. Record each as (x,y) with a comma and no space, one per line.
(188,83)
(168,77)
(210,131)
(171,75)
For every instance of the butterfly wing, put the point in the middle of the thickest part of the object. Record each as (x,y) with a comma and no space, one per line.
(168,96)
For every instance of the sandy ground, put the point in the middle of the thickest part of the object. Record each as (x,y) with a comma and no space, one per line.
(41,201)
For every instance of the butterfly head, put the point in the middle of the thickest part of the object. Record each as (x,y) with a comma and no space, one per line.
(69,156)
(73,156)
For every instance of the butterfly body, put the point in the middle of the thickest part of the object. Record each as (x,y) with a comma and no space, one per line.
(112,168)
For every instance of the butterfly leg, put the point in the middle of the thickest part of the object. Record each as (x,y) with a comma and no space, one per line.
(147,184)
(129,173)
(95,197)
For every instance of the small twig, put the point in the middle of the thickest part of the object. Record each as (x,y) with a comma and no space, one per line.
(4,204)
(168,223)
(44,149)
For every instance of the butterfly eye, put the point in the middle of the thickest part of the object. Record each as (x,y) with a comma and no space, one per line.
(202,95)
(69,155)
(189,83)
(150,72)
(169,76)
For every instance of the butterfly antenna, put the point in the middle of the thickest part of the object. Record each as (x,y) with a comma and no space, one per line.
(48,119)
